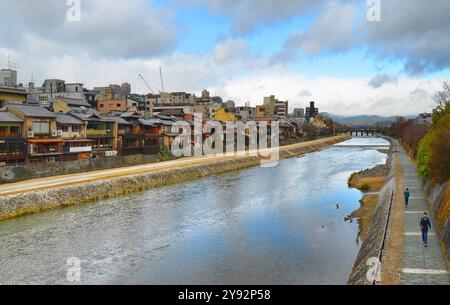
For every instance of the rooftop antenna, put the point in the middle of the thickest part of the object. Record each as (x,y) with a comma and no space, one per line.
(11,65)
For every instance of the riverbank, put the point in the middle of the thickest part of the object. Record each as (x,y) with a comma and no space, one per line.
(377,216)
(369,180)
(39,195)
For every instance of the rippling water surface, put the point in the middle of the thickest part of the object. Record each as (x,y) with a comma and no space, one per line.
(259,226)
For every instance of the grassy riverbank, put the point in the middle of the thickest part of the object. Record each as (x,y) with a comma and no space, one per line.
(368,181)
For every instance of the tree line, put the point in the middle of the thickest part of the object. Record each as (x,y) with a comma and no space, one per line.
(429,145)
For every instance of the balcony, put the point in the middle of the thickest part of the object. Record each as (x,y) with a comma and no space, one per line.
(72,134)
(99,133)
(42,150)
(41,147)
(10,134)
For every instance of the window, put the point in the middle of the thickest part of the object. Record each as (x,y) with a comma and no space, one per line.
(14,129)
(41,127)
(118,105)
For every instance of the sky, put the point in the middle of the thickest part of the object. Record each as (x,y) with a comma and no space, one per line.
(329,51)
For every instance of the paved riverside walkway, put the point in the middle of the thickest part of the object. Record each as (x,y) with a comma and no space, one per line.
(421,266)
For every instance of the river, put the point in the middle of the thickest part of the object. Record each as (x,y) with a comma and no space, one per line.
(259,226)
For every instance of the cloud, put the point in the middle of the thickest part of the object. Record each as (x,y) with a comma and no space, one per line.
(246,15)
(380,80)
(414,31)
(343,96)
(305,93)
(108,28)
(230,50)
(332,31)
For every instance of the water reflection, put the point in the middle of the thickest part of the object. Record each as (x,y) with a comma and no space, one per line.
(259,226)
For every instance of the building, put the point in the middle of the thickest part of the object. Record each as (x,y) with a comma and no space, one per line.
(126,90)
(8,77)
(176,98)
(71,130)
(12,95)
(40,130)
(311,112)
(246,112)
(230,106)
(269,105)
(260,111)
(56,88)
(223,116)
(13,146)
(282,108)
(101,130)
(66,105)
(108,106)
(424,119)
(299,113)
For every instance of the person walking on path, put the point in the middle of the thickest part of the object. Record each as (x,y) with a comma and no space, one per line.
(407,194)
(425,224)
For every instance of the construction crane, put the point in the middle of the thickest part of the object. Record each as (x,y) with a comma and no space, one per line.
(162,80)
(145,100)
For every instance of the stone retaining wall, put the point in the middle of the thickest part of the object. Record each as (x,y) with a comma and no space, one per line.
(371,246)
(439,198)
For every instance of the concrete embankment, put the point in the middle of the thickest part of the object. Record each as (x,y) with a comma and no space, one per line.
(438,196)
(46,198)
(370,248)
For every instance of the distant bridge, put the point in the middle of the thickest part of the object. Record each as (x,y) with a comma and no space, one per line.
(362,132)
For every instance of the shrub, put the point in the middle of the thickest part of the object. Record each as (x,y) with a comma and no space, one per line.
(439,159)
(433,158)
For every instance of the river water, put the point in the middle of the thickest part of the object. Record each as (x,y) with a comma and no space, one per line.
(259,226)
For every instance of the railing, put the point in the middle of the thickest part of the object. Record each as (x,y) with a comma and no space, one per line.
(98,132)
(44,150)
(77,149)
(72,134)
(383,242)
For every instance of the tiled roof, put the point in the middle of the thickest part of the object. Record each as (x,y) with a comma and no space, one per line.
(68,119)
(76,102)
(33,110)
(9,117)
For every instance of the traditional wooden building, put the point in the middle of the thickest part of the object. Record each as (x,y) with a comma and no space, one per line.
(71,130)
(13,146)
(101,130)
(40,130)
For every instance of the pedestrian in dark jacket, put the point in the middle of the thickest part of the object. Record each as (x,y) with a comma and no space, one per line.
(407,194)
(425,224)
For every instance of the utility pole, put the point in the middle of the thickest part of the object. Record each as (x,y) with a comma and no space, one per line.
(162,80)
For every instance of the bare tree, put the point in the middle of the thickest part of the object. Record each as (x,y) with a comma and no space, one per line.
(442,98)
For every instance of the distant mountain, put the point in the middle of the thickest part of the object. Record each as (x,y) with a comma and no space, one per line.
(363,120)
